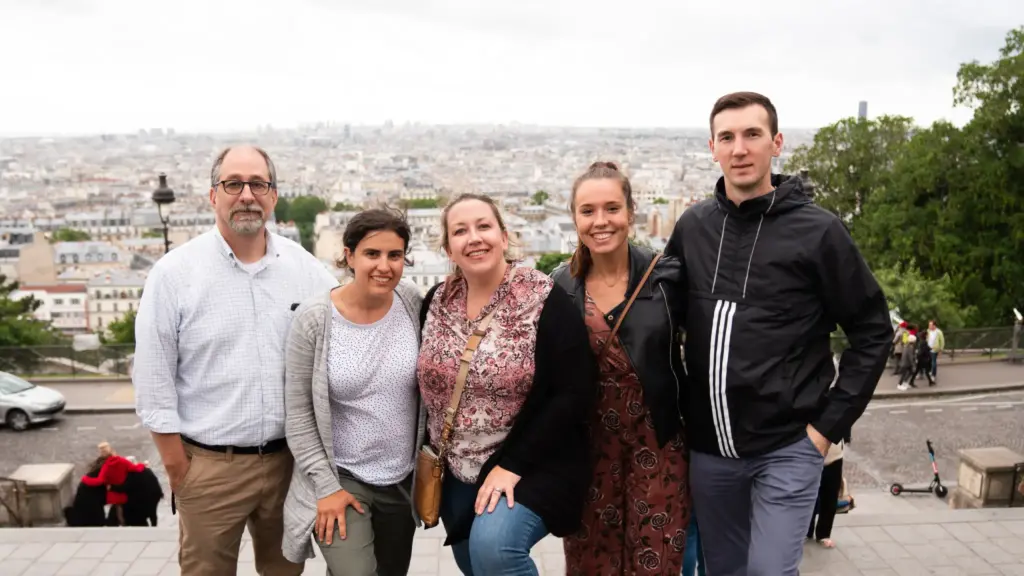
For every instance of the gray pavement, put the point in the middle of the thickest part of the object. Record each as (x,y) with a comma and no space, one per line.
(943,543)
(889,440)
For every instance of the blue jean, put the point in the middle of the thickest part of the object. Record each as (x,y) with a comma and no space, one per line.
(693,556)
(935,364)
(754,512)
(499,543)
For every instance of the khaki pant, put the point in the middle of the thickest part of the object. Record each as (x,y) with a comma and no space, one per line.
(220,495)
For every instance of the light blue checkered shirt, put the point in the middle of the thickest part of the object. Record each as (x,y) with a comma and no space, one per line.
(210,337)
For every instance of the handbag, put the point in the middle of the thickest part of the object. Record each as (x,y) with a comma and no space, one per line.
(430,462)
(632,297)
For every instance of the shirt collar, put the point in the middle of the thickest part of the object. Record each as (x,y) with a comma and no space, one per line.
(225,249)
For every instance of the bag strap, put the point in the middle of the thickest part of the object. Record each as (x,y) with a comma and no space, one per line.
(615,330)
(460,380)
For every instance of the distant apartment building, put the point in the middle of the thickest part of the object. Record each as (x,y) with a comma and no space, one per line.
(429,266)
(102,225)
(93,256)
(328,229)
(417,192)
(65,306)
(112,295)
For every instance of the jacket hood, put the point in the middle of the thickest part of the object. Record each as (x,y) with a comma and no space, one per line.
(787,195)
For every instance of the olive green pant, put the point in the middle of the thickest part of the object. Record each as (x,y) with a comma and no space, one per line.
(379,541)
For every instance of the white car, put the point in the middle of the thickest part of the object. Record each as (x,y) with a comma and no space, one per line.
(22,403)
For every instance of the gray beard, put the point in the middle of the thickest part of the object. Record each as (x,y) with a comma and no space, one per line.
(246,227)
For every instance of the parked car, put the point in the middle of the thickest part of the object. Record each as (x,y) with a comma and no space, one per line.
(22,403)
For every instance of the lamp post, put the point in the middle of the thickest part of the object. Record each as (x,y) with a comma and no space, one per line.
(163,195)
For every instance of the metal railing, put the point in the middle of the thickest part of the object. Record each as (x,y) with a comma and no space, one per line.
(107,361)
(966,345)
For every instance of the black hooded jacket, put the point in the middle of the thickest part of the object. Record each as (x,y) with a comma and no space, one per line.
(767,282)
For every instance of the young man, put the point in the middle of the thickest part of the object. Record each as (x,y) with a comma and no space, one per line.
(769,276)
(209,370)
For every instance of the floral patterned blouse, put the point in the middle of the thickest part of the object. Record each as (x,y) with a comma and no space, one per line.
(501,372)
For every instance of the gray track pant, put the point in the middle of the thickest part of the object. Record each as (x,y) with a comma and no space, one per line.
(753,513)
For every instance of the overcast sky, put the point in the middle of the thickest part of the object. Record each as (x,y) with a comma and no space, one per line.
(74,66)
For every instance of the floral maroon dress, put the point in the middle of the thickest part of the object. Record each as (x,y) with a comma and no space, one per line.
(638,507)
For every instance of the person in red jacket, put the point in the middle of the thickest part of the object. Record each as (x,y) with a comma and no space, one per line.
(113,472)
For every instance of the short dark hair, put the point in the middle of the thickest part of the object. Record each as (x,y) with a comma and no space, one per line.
(374,220)
(742,100)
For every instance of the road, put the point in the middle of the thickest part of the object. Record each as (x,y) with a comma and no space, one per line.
(889,440)
(73,439)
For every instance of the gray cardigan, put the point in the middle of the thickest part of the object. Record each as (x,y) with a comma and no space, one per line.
(308,417)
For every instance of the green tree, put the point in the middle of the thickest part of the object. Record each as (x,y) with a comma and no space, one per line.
(153,234)
(345,207)
(282,212)
(850,160)
(70,235)
(18,327)
(121,331)
(548,262)
(420,203)
(657,201)
(954,202)
(919,299)
(540,197)
(303,209)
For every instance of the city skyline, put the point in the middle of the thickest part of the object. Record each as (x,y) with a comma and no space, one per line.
(91,67)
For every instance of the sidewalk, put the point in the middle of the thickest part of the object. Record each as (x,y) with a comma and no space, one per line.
(91,396)
(947,542)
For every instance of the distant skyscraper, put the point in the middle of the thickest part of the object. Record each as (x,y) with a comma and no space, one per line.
(862,110)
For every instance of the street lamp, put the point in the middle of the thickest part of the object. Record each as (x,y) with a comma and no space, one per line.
(163,195)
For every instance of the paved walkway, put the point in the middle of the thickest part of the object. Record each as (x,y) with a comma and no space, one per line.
(959,543)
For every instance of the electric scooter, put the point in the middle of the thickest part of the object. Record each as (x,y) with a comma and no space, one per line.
(935,487)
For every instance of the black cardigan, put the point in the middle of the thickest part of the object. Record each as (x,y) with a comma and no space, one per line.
(548,444)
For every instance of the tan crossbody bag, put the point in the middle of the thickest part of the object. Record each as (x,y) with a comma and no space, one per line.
(430,463)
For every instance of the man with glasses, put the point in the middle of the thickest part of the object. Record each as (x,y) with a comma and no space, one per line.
(209,370)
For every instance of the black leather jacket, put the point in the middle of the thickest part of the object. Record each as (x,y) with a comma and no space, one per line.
(650,333)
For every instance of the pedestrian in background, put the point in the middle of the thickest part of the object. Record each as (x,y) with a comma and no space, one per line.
(937,343)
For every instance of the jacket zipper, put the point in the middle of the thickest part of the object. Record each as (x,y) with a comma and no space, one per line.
(671,344)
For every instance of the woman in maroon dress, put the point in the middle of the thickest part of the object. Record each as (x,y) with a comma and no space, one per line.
(638,506)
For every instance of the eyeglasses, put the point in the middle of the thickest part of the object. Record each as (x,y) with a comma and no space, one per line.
(235,187)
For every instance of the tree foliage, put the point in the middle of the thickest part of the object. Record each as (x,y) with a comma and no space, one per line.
(850,160)
(70,235)
(121,331)
(345,207)
(919,299)
(282,212)
(18,326)
(303,210)
(420,203)
(540,197)
(548,262)
(945,208)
